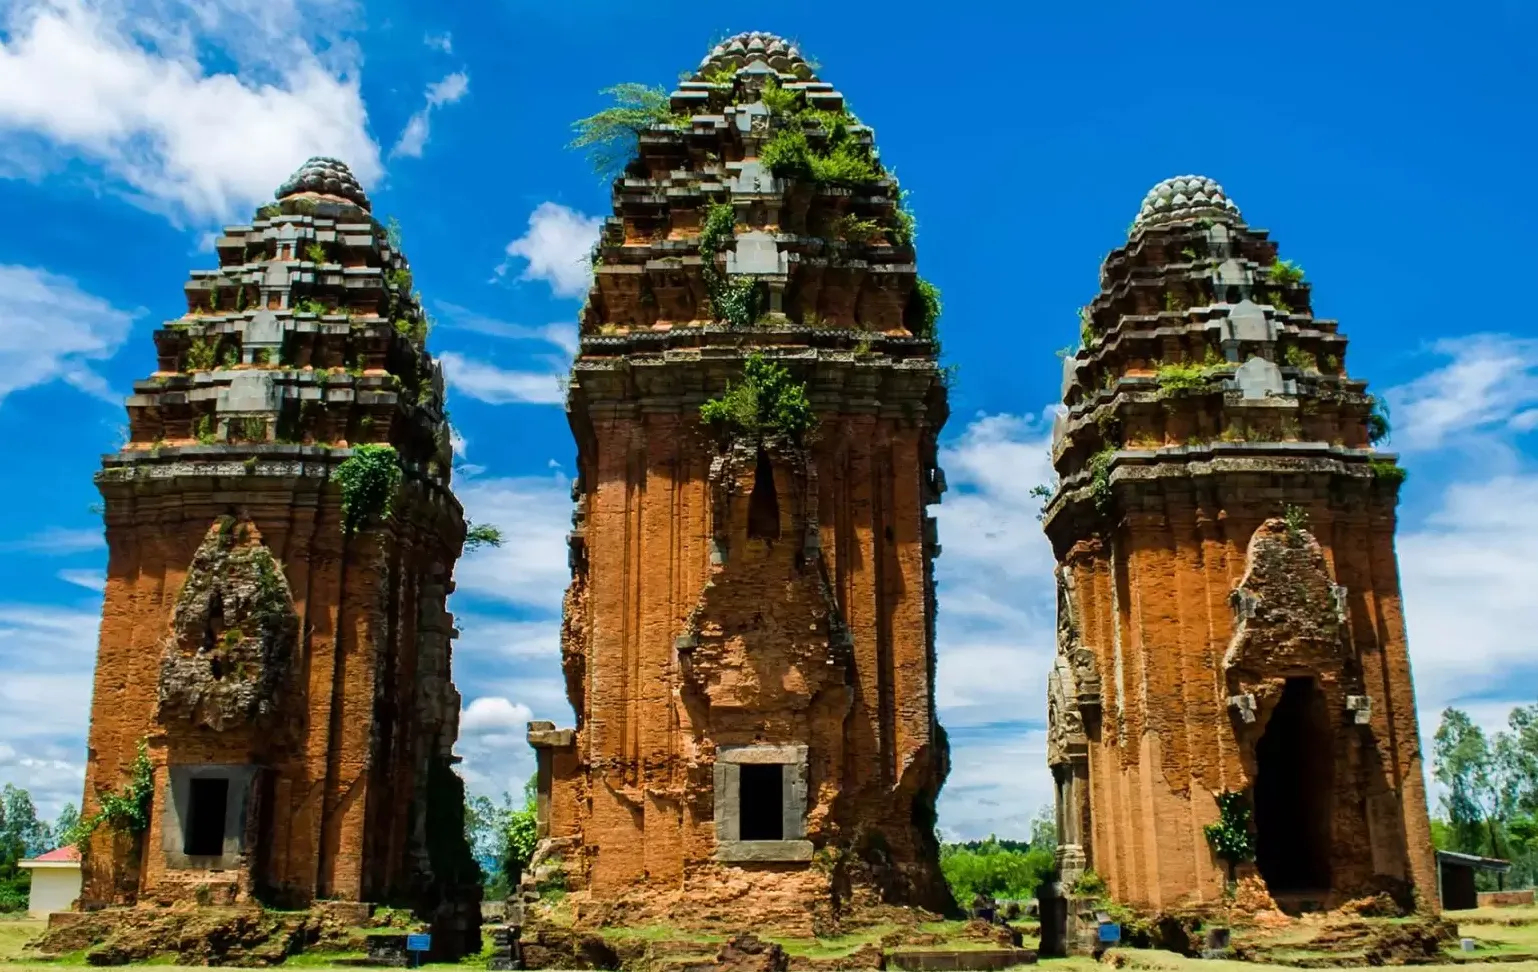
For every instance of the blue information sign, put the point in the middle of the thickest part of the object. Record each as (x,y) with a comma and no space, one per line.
(1110,932)
(419,943)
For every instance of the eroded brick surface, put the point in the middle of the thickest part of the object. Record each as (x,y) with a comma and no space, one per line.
(703,613)
(246,636)
(1223,526)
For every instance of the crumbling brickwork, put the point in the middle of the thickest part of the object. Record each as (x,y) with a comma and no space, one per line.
(750,602)
(1229,603)
(289,676)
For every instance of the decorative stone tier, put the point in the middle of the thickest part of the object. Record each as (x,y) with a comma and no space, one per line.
(308,332)
(1227,585)
(748,638)
(286,666)
(1195,294)
(828,254)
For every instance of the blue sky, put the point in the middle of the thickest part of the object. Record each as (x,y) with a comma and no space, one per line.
(1388,148)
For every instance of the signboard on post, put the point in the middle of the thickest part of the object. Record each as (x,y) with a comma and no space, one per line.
(416,945)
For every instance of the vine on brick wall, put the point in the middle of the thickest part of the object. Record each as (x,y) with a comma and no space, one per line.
(126,811)
(736,302)
(368,480)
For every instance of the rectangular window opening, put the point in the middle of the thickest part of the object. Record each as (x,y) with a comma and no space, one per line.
(207,800)
(762,801)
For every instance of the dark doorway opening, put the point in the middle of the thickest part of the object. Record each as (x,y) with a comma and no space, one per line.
(207,800)
(1294,769)
(763,503)
(761,801)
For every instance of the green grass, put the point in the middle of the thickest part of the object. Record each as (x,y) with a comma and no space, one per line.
(836,947)
(14,933)
(660,933)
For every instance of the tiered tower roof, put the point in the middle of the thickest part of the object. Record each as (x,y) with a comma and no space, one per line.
(1201,355)
(815,235)
(306,339)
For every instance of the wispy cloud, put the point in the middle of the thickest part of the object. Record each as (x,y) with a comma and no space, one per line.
(47,654)
(413,138)
(556,249)
(496,386)
(54,331)
(120,85)
(58,541)
(563,336)
(1489,386)
(440,42)
(90,579)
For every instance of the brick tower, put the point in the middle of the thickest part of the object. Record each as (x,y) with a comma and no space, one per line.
(748,639)
(281,537)
(1229,615)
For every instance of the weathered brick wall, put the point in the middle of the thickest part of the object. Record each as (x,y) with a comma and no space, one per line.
(650,727)
(1159,618)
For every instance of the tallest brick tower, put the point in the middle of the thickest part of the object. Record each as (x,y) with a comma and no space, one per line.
(273,714)
(1230,631)
(748,639)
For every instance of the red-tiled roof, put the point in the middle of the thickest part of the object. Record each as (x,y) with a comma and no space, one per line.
(59,855)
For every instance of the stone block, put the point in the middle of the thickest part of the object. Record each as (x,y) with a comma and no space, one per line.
(1247,322)
(763,851)
(1259,378)
(249,391)
(1244,705)
(752,177)
(1360,707)
(758,253)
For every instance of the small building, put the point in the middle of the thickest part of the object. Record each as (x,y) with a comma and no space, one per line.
(55,881)
(1455,878)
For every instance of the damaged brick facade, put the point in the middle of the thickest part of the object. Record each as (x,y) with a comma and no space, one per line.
(1229,611)
(289,676)
(748,635)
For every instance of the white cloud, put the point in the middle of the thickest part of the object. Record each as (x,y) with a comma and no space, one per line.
(995,786)
(997,603)
(54,331)
(1489,387)
(996,614)
(1469,579)
(563,335)
(530,569)
(89,578)
(440,42)
(557,248)
(496,386)
(494,716)
(414,136)
(120,83)
(47,654)
(59,541)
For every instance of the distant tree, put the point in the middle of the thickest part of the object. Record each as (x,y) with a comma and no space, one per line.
(1009,869)
(1464,765)
(22,835)
(65,826)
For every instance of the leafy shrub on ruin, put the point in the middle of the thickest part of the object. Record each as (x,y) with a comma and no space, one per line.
(924,307)
(478,535)
(611,137)
(1230,838)
(368,479)
(738,302)
(766,400)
